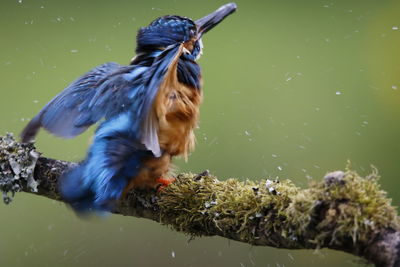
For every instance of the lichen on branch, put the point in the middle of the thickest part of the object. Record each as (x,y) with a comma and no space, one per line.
(17,163)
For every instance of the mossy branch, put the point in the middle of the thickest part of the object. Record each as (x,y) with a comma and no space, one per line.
(343,211)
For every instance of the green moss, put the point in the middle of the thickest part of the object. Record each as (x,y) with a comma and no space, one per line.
(326,213)
(357,205)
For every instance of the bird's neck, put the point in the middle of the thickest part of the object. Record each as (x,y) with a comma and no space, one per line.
(188,71)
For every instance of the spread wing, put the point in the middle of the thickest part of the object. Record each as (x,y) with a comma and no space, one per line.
(66,113)
(163,66)
(104,92)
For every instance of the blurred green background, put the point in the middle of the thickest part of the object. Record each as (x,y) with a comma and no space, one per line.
(293,89)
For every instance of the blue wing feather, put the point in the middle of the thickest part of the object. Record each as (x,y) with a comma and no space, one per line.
(59,115)
(152,84)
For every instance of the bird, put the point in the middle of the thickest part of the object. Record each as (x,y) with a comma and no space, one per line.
(146,113)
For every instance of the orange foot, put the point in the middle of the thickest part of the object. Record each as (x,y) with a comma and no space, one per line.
(164,182)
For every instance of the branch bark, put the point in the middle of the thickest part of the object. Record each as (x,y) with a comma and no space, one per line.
(343,211)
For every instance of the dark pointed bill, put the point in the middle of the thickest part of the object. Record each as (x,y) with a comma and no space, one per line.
(211,20)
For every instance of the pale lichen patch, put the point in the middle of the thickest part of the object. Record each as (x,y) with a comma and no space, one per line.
(17,164)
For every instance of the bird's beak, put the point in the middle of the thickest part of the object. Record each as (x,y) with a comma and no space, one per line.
(208,22)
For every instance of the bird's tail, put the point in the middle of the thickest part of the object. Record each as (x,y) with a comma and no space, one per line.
(97,183)
(78,193)
(114,158)
(80,189)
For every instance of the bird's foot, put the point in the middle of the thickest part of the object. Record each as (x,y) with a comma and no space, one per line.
(164,182)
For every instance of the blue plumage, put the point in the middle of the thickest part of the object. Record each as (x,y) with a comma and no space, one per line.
(113,159)
(121,99)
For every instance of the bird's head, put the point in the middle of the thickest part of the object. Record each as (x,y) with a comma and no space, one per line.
(167,31)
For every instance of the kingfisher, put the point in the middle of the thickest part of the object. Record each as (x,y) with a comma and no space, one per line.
(146,111)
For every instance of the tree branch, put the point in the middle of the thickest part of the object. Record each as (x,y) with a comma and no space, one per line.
(343,211)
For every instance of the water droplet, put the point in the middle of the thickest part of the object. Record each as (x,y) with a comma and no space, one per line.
(395,28)
(338,93)
(274,155)
(290,256)
(74,50)
(173,254)
(35,101)
(280,168)
(394,87)
(247,133)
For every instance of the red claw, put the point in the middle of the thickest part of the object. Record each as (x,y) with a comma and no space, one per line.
(164,182)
